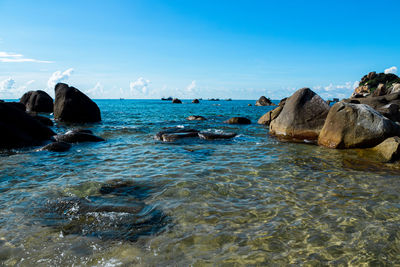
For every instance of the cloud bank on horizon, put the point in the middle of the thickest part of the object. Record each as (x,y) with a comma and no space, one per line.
(142,88)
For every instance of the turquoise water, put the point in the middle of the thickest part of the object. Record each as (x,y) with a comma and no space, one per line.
(250,201)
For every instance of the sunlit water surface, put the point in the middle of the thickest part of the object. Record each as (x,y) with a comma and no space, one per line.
(251,201)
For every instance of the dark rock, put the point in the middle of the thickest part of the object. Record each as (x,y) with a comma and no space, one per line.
(282,102)
(302,116)
(196,118)
(263,101)
(71,105)
(37,101)
(214,136)
(390,111)
(19,129)
(238,120)
(44,120)
(195,101)
(17,105)
(176,101)
(249,105)
(390,148)
(56,147)
(175,130)
(124,188)
(270,116)
(77,137)
(172,137)
(355,126)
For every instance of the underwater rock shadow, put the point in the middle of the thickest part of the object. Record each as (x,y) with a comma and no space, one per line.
(117,212)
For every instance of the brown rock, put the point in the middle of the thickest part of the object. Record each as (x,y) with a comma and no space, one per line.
(389,149)
(355,126)
(270,116)
(238,120)
(302,116)
(196,118)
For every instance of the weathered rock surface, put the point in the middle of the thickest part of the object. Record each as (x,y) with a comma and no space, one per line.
(355,126)
(37,101)
(270,116)
(71,105)
(56,147)
(19,129)
(389,149)
(215,136)
(302,116)
(172,134)
(195,101)
(77,136)
(263,101)
(196,118)
(176,101)
(238,120)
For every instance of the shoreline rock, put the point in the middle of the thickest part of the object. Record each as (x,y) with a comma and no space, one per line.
(238,120)
(71,105)
(302,116)
(37,101)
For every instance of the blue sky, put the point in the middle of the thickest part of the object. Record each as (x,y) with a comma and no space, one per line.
(226,49)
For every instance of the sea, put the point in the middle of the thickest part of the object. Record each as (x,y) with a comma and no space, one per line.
(249,201)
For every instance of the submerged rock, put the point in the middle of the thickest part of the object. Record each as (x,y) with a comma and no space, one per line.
(56,147)
(196,118)
(19,129)
(78,136)
(215,136)
(355,126)
(37,101)
(170,132)
(238,120)
(302,116)
(71,105)
(390,148)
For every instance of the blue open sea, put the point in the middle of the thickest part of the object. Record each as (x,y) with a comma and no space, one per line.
(249,201)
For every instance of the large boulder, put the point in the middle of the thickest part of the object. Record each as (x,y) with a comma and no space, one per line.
(19,129)
(302,116)
(355,126)
(37,101)
(263,101)
(389,149)
(71,105)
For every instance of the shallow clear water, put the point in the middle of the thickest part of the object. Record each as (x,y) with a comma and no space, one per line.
(248,201)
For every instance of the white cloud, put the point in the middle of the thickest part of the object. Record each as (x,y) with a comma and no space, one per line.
(140,86)
(191,86)
(17,58)
(7,84)
(391,70)
(97,91)
(59,76)
(336,90)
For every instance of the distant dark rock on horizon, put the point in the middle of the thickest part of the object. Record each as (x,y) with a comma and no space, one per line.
(176,101)
(263,101)
(71,105)
(37,101)
(195,101)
